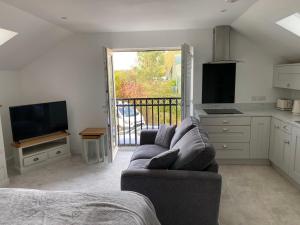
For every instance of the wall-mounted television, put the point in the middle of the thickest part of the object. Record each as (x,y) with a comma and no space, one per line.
(30,121)
(218,84)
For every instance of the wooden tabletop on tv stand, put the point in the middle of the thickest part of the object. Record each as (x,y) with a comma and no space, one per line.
(41,139)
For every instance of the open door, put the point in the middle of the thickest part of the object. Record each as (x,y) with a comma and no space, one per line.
(111,103)
(187,80)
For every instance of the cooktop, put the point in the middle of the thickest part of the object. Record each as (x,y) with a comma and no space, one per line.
(222,111)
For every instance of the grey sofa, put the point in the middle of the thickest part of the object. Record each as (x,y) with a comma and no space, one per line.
(180,197)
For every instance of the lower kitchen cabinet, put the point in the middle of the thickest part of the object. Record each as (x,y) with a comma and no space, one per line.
(280,147)
(295,155)
(260,137)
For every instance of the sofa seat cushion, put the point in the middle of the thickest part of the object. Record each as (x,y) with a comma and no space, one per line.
(186,125)
(139,164)
(147,151)
(195,153)
(164,160)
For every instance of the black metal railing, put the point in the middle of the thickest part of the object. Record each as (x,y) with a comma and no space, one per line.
(135,114)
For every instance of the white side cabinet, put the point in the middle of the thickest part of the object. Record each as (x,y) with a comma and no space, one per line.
(37,152)
(3,171)
(287,76)
(295,155)
(260,137)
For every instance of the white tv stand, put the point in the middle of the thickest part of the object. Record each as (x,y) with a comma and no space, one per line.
(36,152)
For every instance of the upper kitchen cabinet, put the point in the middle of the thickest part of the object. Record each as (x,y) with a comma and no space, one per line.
(287,76)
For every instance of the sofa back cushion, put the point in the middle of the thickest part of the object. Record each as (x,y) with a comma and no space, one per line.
(164,135)
(194,154)
(186,125)
(163,160)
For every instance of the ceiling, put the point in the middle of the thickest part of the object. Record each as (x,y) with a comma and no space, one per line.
(35,37)
(258,23)
(40,24)
(134,15)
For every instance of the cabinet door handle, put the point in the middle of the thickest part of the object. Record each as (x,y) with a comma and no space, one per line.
(225,146)
(287,142)
(58,152)
(225,121)
(36,159)
(285,127)
(225,130)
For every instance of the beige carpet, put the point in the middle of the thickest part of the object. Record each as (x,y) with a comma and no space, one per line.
(252,195)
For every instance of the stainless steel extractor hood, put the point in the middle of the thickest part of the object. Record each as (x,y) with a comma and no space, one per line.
(221,45)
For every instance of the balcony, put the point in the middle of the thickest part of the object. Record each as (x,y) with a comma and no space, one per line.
(135,114)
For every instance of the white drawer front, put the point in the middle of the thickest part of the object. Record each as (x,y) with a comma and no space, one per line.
(35,159)
(228,133)
(57,152)
(226,121)
(232,150)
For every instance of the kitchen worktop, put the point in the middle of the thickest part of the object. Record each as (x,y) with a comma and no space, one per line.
(286,116)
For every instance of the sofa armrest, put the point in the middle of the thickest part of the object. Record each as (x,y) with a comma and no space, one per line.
(147,137)
(179,197)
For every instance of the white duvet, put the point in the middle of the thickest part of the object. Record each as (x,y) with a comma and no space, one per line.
(33,207)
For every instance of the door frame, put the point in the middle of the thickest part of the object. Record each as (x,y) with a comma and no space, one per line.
(112,147)
(107,80)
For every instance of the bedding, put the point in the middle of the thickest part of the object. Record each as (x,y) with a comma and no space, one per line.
(34,207)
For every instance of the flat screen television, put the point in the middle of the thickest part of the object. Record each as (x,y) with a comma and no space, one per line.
(218,84)
(30,121)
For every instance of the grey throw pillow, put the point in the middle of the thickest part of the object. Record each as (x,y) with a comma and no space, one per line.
(164,135)
(186,125)
(164,160)
(195,154)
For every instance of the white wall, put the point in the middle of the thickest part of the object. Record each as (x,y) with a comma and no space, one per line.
(74,71)
(9,96)
(254,74)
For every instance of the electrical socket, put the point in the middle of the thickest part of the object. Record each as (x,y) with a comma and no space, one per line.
(258,98)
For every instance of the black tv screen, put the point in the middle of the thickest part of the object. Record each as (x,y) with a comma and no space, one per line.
(39,119)
(218,84)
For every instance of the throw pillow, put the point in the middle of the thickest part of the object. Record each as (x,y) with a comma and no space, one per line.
(164,135)
(195,153)
(186,125)
(164,160)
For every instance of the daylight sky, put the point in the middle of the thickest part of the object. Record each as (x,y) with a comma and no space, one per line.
(124,60)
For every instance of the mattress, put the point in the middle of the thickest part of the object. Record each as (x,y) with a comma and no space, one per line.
(34,207)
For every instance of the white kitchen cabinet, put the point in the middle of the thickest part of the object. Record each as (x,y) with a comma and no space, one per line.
(274,140)
(231,150)
(222,134)
(226,121)
(280,145)
(294,171)
(287,76)
(229,135)
(260,137)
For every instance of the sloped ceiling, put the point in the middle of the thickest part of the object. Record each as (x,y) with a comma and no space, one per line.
(258,23)
(134,15)
(35,37)
(40,26)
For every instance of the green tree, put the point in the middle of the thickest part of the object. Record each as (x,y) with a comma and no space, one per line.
(151,65)
(151,78)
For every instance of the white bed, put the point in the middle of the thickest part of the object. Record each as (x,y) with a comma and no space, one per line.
(33,207)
